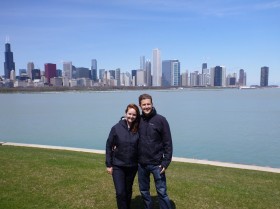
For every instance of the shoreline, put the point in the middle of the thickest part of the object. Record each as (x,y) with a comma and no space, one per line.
(175,159)
(4,90)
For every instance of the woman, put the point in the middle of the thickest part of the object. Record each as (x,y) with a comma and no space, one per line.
(121,154)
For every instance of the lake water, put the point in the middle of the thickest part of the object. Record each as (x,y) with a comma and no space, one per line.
(228,125)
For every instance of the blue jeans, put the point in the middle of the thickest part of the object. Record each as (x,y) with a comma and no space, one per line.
(123,178)
(144,172)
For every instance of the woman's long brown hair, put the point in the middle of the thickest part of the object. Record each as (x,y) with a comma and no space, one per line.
(135,125)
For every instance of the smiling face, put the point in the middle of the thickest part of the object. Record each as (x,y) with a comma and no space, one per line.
(146,105)
(130,115)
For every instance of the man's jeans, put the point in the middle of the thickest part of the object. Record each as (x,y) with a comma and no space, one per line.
(144,172)
(123,179)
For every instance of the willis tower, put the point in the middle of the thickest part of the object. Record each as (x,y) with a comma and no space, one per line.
(9,64)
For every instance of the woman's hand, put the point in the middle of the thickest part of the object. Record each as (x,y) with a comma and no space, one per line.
(110,170)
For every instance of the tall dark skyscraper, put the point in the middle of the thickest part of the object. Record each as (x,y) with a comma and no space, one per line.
(242,78)
(134,76)
(166,73)
(218,76)
(148,68)
(204,66)
(264,76)
(94,69)
(9,64)
(118,76)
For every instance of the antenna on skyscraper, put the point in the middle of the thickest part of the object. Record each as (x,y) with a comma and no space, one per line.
(7,39)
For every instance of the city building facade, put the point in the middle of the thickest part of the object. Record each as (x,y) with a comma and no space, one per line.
(170,73)
(218,76)
(156,65)
(30,67)
(94,70)
(242,78)
(264,76)
(50,71)
(9,63)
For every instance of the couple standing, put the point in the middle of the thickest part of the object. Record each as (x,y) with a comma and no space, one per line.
(143,143)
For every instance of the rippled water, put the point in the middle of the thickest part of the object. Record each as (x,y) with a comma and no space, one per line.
(229,125)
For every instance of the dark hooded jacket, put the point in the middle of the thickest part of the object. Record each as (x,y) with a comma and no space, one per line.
(121,146)
(155,143)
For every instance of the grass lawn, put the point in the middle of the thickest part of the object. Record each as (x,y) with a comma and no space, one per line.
(41,178)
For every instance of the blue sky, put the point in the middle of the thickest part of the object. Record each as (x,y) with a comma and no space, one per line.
(236,34)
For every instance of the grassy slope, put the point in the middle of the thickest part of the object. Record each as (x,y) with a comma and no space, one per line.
(41,178)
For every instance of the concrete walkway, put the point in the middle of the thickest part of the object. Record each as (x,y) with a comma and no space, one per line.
(175,159)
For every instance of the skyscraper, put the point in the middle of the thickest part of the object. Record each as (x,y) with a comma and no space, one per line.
(148,68)
(175,73)
(118,76)
(13,75)
(30,67)
(194,78)
(94,69)
(242,78)
(112,74)
(166,73)
(204,67)
(218,76)
(9,64)
(82,72)
(67,70)
(50,71)
(36,74)
(231,80)
(125,79)
(134,77)
(156,65)
(170,73)
(101,74)
(185,79)
(140,76)
(264,76)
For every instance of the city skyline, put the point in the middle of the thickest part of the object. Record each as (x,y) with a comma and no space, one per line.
(239,35)
(165,73)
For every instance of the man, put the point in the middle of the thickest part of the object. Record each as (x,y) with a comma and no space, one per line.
(154,152)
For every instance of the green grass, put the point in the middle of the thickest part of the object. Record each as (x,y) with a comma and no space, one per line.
(41,178)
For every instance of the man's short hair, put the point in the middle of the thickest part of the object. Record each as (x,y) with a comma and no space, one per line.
(145,96)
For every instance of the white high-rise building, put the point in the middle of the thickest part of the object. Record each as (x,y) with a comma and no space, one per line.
(140,76)
(156,66)
(30,67)
(194,78)
(67,70)
(101,74)
(125,79)
(12,75)
(185,79)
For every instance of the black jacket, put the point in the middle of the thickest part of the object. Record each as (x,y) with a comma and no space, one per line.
(155,143)
(121,146)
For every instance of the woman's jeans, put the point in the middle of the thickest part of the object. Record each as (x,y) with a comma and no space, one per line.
(144,172)
(123,178)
